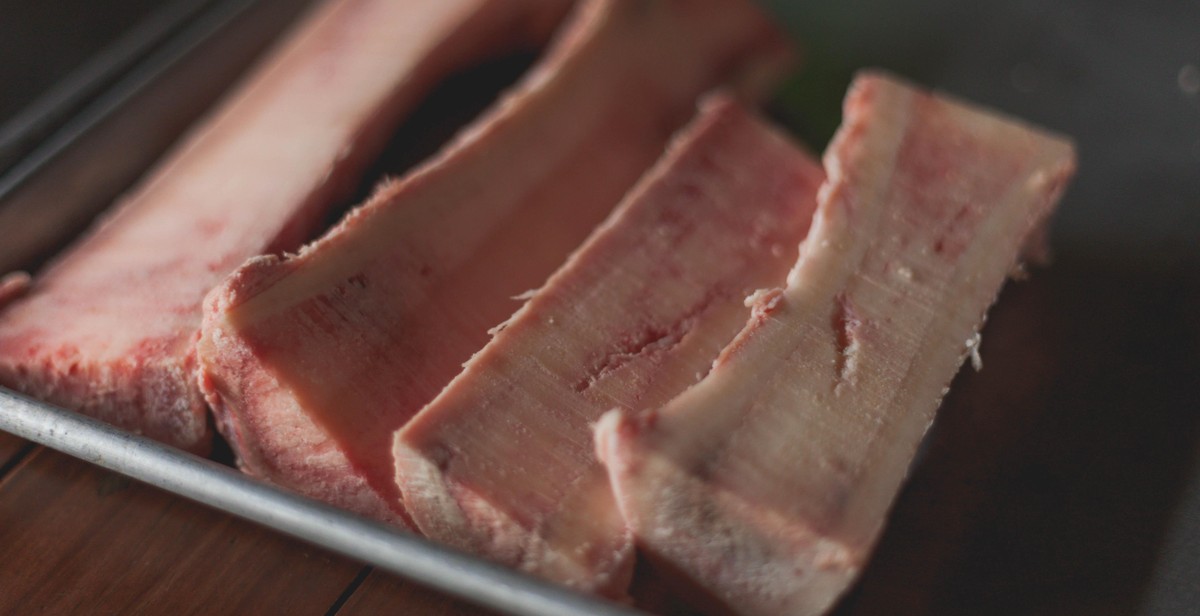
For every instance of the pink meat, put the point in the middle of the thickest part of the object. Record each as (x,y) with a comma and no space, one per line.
(768,482)
(108,329)
(311,362)
(501,463)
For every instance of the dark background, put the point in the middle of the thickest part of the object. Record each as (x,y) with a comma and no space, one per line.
(1065,477)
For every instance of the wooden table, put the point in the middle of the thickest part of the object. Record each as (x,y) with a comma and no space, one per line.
(10,449)
(78,539)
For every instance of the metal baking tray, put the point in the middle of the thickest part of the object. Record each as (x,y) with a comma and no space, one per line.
(75,149)
(1065,479)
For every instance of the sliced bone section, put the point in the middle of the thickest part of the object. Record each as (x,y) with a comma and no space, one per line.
(108,329)
(501,463)
(312,362)
(768,482)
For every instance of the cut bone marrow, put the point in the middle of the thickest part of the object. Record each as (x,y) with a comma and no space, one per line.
(109,328)
(501,463)
(768,482)
(311,362)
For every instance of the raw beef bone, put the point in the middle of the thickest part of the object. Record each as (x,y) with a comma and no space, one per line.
(768,482)
(312,362)
(109,328)
(501,463)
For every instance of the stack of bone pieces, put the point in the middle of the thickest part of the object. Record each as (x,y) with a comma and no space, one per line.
(730,351)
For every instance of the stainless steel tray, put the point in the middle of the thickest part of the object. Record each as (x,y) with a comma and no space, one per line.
(129,103)
(1065,478)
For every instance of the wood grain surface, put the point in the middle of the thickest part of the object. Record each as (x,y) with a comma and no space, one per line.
(10,447)
(78,539)
(381,593)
